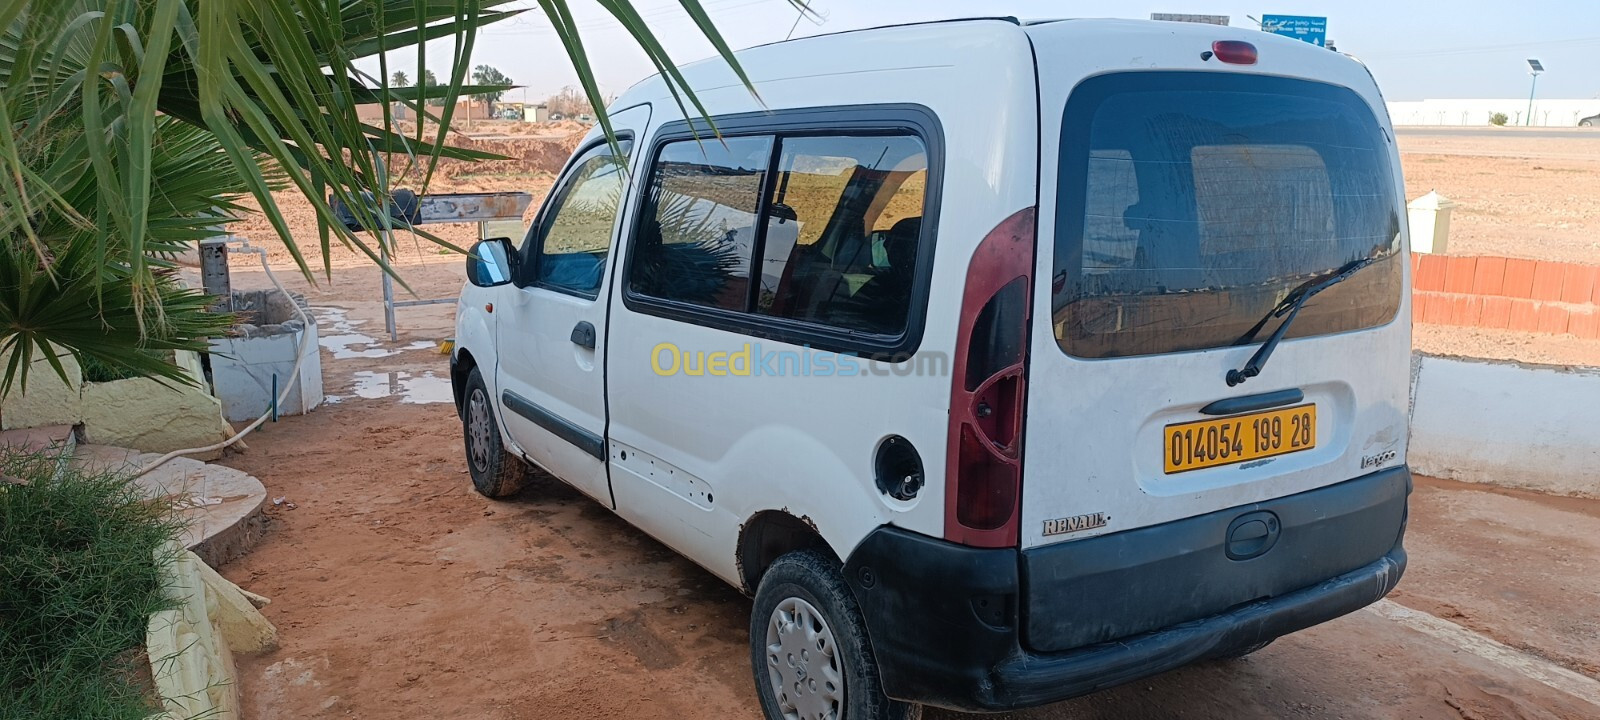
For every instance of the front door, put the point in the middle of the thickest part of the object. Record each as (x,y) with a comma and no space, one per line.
(551,329)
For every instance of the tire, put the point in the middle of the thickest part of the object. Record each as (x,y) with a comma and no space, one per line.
(495,472)
(1586,122)
(805,593)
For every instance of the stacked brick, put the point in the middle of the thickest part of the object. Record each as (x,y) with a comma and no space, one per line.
(1506,293)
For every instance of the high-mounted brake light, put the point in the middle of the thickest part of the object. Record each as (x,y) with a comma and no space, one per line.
(983,471)
(1237,52)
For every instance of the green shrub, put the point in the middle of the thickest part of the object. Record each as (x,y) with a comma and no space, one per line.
(94,370)
(1499,119)
(79,578)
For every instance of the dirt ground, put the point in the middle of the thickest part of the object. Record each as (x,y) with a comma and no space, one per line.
(399,593)
(1525,194)
(1521,194)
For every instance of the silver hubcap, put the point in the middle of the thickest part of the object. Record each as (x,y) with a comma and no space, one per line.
(478,429)
(803,664)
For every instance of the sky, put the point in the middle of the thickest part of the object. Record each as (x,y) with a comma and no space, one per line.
(1478,49)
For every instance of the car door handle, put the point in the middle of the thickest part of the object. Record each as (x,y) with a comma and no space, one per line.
(583,334)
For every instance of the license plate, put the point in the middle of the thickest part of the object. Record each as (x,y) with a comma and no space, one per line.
(1242,438)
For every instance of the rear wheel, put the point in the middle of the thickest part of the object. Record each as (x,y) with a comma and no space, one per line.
(495,472)
(809,647)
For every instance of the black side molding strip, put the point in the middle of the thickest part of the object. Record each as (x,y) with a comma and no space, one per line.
(1247,403)
(557,425)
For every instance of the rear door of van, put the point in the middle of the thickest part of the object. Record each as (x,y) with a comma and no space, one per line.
(1184,197)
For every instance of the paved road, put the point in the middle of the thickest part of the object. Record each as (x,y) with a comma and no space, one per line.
(1572,133)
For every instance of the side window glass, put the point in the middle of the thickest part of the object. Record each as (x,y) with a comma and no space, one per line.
(576,233)
(698,228)
(843,230)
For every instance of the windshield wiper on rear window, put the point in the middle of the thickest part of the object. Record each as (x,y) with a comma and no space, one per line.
(1290,305)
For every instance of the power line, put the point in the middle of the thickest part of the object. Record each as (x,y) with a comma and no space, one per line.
(1480,49)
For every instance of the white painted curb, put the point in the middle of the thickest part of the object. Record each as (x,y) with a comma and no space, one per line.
(191,647)
(1535,427)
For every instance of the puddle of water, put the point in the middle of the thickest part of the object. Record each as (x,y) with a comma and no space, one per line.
(414,389)
(343,338)
(337,333)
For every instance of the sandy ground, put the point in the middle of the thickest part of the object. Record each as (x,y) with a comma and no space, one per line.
(399,593)
(1526,194)
(1520,195)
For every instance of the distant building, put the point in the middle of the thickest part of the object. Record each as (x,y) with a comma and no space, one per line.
(536,113)
(470,109)
(1472,112)
(372,113)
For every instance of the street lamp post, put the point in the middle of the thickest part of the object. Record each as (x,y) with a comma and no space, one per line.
(1534,68)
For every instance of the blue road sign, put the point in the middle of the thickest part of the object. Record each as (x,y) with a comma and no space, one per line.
(1313,30)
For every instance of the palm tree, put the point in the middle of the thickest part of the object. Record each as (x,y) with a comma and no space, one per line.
(107,106)
(399,79)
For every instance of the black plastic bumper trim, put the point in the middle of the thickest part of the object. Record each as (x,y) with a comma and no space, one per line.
(947,621)
(1036,679)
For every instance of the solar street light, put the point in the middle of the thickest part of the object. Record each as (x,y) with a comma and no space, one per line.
(1534,68)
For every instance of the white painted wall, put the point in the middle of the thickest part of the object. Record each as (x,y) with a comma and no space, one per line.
(242,370)
(1532,427)
(1475,112)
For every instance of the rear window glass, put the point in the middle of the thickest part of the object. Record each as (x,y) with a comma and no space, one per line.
(1191,204)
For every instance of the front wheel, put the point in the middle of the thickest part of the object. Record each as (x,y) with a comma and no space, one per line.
(809,646)
(1586,122)
(495,472)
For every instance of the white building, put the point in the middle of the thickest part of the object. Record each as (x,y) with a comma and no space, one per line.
(1551,113)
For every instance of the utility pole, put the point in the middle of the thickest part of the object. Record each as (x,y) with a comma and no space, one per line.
(1534,68)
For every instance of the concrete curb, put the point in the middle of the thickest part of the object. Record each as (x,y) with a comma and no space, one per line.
(191,647)
(1534,427)
(225,508)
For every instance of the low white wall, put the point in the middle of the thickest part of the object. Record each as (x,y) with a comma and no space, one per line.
(242,370)
(1525,426)
(1475,112)
(138,413)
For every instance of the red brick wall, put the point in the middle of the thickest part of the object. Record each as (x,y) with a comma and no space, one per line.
(1507,293)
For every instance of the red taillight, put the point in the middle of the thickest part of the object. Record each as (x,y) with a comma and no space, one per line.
(1237,52)
(988,385)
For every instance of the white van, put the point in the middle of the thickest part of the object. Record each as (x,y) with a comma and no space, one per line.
(959,350)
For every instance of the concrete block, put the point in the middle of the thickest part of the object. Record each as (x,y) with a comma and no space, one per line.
(242,626)
(146,415)
(45,400)
(1509,424)
(242,369)
(243,365)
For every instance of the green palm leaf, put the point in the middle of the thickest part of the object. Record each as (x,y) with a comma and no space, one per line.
(124,124)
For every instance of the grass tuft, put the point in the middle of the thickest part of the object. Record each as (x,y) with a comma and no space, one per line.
(79,578)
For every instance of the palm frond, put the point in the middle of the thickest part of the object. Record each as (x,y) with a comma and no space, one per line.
(94,169)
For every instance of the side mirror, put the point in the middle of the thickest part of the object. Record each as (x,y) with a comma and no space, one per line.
(490,262)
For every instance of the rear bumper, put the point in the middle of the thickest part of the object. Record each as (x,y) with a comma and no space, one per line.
(950,625)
